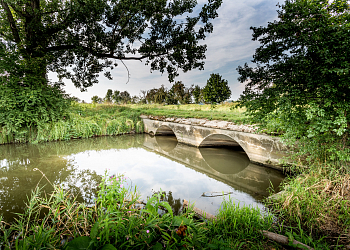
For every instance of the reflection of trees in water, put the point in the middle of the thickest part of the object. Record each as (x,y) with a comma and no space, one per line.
(17,162)
(175,204)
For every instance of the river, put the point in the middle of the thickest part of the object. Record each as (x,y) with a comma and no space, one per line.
(151,163)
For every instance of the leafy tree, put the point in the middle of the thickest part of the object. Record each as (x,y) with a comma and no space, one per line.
(109,96)
(300,83)
(116,96)
(79,39)
(125,97)
(95,99)
(156,95)
(143,99)
(179,94)
(196,94)
(135,99)
(216,90)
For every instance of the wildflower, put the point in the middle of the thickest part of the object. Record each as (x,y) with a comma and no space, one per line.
(147,231)
(117,179)
(129,211)
(121,185)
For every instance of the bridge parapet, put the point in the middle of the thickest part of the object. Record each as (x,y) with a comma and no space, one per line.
(261,149)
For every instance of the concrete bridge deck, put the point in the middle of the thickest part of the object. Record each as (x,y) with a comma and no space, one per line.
(261,149)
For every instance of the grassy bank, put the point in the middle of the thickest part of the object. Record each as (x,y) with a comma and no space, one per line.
(226,111)
(89,120)
(118,221)
(82,121)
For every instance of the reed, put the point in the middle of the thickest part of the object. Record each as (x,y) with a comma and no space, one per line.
(117,220)
(317,201)
(83,121)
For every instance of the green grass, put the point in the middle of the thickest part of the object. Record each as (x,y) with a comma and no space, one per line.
(318,202)
(83,121)
(89,120)
(225,112)
(117,221)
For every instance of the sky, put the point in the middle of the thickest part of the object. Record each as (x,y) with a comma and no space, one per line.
(229,46)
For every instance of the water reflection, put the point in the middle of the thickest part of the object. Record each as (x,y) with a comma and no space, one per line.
(224,160)
(151,163)
(166,143)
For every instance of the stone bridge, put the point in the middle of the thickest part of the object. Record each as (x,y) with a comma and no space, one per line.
(234,169)
(261,149)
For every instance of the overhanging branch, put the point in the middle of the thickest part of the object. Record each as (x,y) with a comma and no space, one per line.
(12,22)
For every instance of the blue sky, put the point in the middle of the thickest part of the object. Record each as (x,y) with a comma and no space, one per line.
(229,46)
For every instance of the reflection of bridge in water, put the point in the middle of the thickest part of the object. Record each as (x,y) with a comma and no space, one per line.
(223,164)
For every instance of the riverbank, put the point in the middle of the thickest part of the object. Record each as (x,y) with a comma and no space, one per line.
(119,221)
(82,121)
(315,203)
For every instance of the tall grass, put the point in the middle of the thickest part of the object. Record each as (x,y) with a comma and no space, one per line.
(118,221)
(319,201)
(84,121)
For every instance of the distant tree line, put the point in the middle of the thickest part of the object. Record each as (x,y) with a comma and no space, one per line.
(215,91)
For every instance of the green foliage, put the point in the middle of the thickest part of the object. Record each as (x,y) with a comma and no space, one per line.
(125,97)
(301,81)
(240,224)
(156,95)
(197,94)
(116,96)
(27,101)
(221,112)
(118,221)
(216,90)
(95,99)
(179,94)
(82,121)
(77,35)
(109,96)
(316,201)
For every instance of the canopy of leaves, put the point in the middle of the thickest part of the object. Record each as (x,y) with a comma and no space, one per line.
(301,80)
(78,39)
(216,90)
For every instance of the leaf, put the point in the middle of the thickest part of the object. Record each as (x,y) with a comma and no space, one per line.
(180,220)
(94,230)
(157,246)
(108,247)
(167,206)
(80,243)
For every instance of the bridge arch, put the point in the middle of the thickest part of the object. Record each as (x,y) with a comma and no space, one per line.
(221,140)
(164,130)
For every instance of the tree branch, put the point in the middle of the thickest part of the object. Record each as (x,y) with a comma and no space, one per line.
(98,54)
(19,12)
(12,22)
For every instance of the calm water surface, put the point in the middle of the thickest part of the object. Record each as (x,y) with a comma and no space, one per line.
(150,163)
